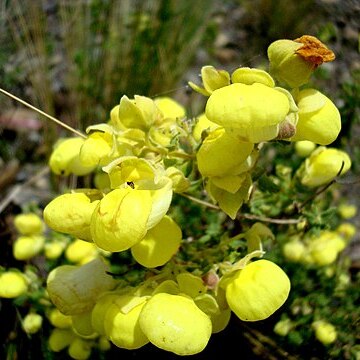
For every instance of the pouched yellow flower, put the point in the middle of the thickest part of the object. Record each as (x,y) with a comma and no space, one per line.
(293,61)
(54,249)
(79,349)
(64,159)
(324,332)
(174,323)
(122,325)
(159,244)
(304,148)
(98,147)
(124,215)
(249,112)
(323,165)
(140,112)
(59,320)
(74,289)
(170,108)
(346,230)
(26,247)
(120,219)
(319,119)
(325,248)
(12,284)
(59,339)
(257,291)
(203,124)
(80,250)
(347,211)
(28,224)
(221,155)
(71,214)
(212,79)
(32,323)
(283,327)
(294,250)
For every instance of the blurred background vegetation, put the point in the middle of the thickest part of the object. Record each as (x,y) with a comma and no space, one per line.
(75,59)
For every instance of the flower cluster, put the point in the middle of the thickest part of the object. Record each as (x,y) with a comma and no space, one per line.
(147,155)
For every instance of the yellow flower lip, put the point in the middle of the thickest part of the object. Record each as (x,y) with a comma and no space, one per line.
(250,112)
(258,290)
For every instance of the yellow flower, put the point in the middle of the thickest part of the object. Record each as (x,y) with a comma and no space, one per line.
(59,339)
(283,327)
(249,112)
(71,214)
(32,323)
(179,182)
(98,147)
(319,119)
(347,211)
(79,349)
(12,284)
(324,332)
(121,322)
(59,320)
(26,247)
(257,291)
(221,155)
(294,250)
(64,159)
(170,108)
(203,124)
(325,248)
(304,148)
(323,165)
(159,244)
(28,224)
(54,249)
(174,323)
(293,61)
(80,251)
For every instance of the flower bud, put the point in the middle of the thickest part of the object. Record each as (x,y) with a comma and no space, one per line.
(179,182)
(347,211)
(79,251)
(323,165)
(26,247)
(293,61)
(294,250)
(304,148)
(203,124)
(28,224)
(59,320)
(32,323)
(324,332)
(283,327)
(12,284)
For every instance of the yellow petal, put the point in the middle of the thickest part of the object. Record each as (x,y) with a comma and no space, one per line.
(250,76)
(258,290)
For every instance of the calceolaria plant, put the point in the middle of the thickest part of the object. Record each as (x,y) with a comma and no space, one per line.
(155,274)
